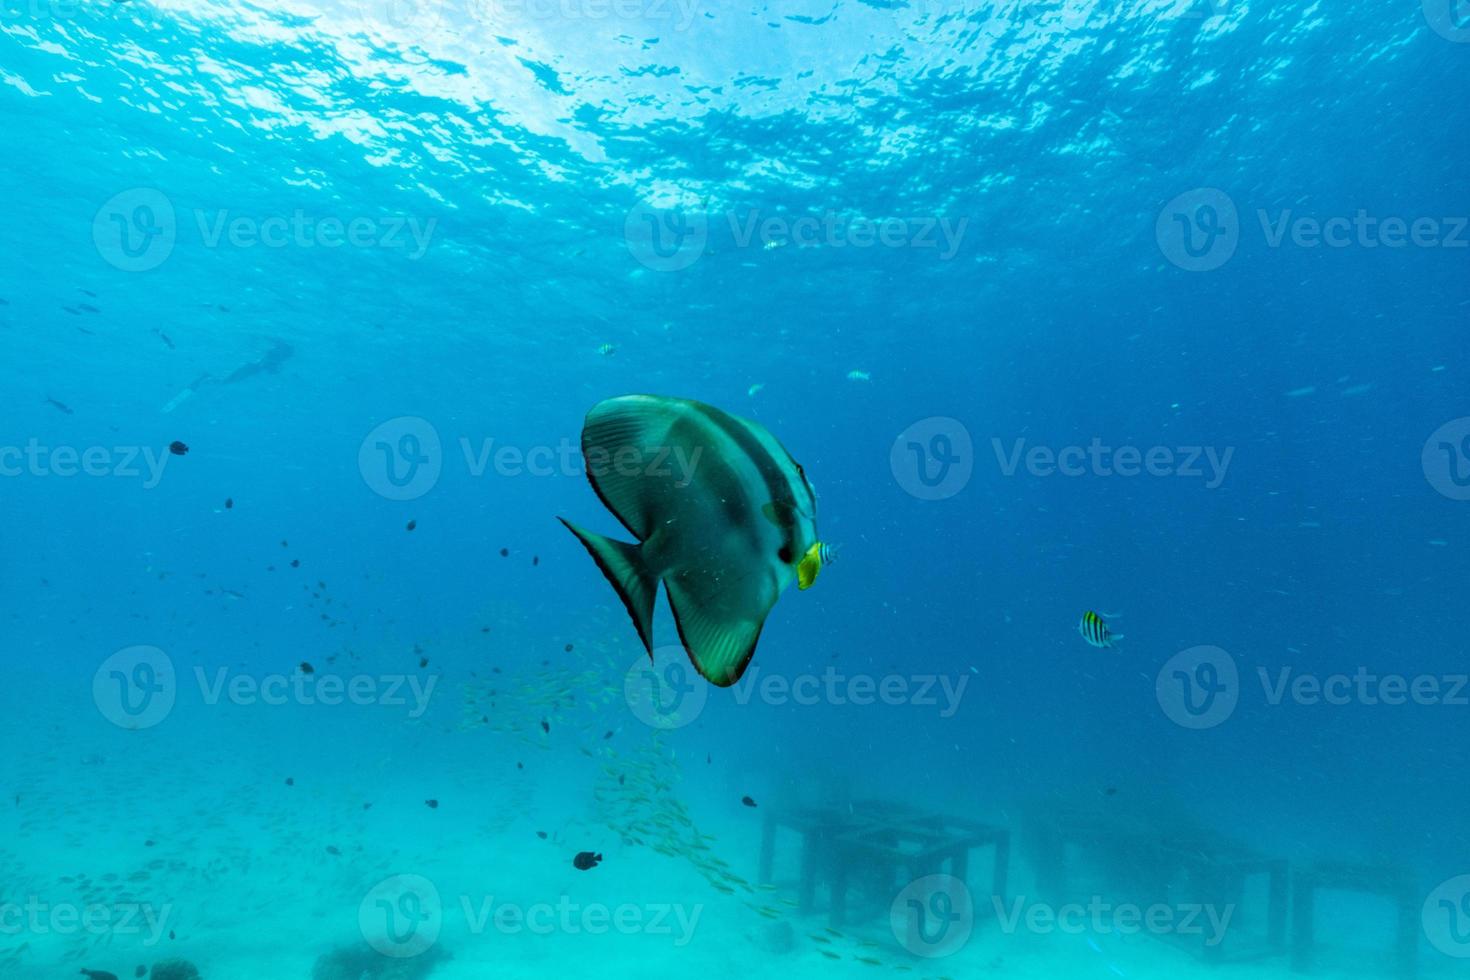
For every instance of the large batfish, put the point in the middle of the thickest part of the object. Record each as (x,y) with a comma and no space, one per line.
(724,518)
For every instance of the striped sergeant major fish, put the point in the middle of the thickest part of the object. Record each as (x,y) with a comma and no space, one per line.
(724,518)
(1095,631)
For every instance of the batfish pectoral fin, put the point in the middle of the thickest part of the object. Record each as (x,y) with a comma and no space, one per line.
(720,646)
(625,569)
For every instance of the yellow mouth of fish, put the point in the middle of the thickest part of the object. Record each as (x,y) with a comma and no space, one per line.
(810,564)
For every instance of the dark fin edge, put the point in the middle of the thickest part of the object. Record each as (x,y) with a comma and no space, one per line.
(642,621)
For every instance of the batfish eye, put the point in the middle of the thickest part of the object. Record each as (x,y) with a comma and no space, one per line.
(784,555)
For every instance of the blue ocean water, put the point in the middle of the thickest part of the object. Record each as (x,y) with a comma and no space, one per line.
(1153,309)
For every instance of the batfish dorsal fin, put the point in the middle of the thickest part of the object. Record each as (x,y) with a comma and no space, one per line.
(720,646)
(625,443)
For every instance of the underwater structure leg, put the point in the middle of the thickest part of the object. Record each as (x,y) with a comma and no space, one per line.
(1393,883)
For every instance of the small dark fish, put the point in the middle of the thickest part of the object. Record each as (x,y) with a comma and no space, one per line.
(747,801)
(585,861)
(99,975)
(171,934)
(504,552)
(295,562)
(140,971)
(290,781)
(545,726)
(519,765)
(484,629)
(178,448)
(423,661)
(535,559)
(622,779)
(541,834)
(307,668)
(331,849)
(148,843)
(64,409)
(708,759)
(229,503)
(285,543)
(608,734)
(568,648)
(1111,791)
(367,806)
(412,525)
(164,337)
(432,804)
(88,308)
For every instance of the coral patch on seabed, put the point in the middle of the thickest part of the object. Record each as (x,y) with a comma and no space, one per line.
(362,962)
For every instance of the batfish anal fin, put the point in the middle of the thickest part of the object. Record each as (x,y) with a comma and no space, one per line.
(719,648)
(625,570)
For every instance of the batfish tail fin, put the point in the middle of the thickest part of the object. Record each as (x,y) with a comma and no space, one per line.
(625,570)
(720,648)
